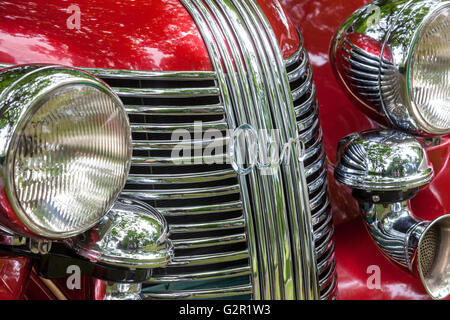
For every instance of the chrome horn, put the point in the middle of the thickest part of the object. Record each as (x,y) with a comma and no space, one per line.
(385,169)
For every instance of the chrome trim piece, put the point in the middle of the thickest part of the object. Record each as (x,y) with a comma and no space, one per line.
(208,242)
(210,258)
(208,226)
(280,235)
(168,92)
(299,71)
(224,273)
(385,169)
(199,293)
(206,209)
(381,161)
(175,110)
(143,75)
(372,52)
(405,239)
(131,235)
(123,291)
(180,193)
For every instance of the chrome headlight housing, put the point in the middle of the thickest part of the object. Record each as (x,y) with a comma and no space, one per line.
(65,150)
(394,58)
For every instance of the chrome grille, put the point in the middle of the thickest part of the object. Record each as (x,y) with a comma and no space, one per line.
(201,202)
(307,116)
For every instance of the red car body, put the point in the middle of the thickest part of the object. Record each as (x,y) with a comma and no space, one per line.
(160,35)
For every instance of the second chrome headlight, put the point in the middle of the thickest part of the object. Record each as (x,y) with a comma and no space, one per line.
(393,57)
(65,150)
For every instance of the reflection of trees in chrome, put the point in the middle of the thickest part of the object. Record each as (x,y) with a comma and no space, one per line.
(391,160)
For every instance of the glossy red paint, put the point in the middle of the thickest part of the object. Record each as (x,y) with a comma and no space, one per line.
(37,290)
(14,272)
(282,25)
(8,217)
(120,34)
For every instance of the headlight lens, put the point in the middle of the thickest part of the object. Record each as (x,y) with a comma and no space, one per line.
(429,76)
(68,155)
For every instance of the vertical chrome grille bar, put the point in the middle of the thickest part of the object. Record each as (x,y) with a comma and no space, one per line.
(293,172)
(276,232)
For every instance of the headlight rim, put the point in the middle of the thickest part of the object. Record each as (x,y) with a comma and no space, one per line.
(75,77)
(412,107)
(398,36)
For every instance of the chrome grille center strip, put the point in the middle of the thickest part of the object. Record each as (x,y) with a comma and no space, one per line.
(255,90)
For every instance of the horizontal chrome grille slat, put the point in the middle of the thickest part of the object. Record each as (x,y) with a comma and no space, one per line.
(318,182)
(315,147)
(210,258)
(305,123)
(205,209)
(203,275)
(328,277)
(216,109)
(151,75)
(316,165)
(326,244)
(301,90)
(318,199)
(327,260)
(170,127)
(181,193)
(152,145)
(196,177)
(305,106)
(209,241)
(166,92)
(299,72)
(322,213)
(331,292)
(208,226)
(200,294)
(179,161)
(324,229)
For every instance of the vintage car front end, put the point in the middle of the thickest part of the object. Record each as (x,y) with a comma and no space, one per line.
(172,149)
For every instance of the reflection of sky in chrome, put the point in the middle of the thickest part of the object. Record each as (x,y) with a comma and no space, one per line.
(138,34)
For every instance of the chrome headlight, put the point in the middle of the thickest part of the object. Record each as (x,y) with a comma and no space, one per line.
(65,150)
(394,58)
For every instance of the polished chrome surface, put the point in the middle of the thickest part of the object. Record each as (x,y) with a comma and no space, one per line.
(131,235)
(255,91)
(240,290)
(382,160)
(388,166)
(123,291)
(420,246)
(23,89)
(372,53)
(315,163)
